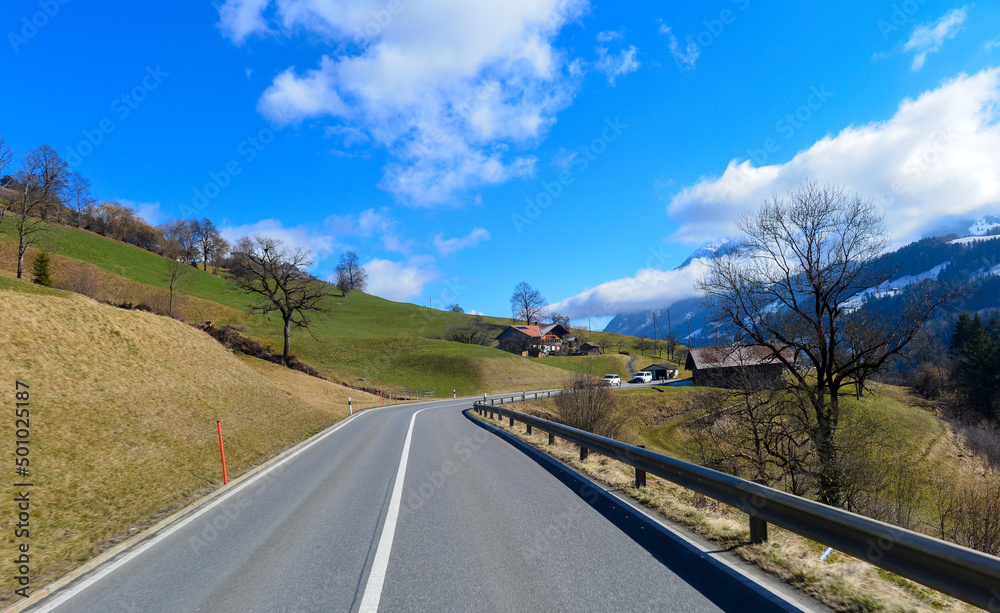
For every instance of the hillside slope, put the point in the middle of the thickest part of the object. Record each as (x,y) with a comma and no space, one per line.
(123,411)
(391,345)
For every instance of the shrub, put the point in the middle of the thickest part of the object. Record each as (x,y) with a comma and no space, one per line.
(587,403)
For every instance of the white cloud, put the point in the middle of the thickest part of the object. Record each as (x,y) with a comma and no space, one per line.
(648,289)
(369,223)
(451,245)
(614,66)
(399,281)
(927,38)
(238,19)
(608,36)
(686,58)
(446,86)
(933,162)
(321,243)
(149,211)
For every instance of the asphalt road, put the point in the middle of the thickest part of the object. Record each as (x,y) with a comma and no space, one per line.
(413,508)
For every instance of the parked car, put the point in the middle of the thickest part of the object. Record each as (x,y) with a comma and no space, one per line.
(643,376)
(613,380)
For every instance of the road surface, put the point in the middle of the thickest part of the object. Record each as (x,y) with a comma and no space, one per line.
(412,508)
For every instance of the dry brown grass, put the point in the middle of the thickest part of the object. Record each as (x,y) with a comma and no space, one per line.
(842,582)
(123,411)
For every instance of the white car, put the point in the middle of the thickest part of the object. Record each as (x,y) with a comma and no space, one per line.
(613,380)
(643,376)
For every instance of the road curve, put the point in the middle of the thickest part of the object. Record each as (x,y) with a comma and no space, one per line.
(465,520)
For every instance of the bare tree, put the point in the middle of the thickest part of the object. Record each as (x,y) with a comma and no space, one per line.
(787,286)
(350,274)
(558,318)
(220,252)
(641,344)
(622,344)
(79,193)
(180,238)
(207,240)
(756,431)
(604,342)
(527,303)
(275,275)
(40,178)
(473,331)
(178,272)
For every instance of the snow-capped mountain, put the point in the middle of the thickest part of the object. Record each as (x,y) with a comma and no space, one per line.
(972,260)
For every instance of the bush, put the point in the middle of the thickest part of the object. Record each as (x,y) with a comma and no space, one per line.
(587,403)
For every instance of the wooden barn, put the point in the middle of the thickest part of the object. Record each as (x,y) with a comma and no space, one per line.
(731,366)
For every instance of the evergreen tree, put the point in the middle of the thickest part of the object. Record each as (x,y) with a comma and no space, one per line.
(42,275)
(975,348)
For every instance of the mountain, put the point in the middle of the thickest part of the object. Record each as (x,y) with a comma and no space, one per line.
(971,259)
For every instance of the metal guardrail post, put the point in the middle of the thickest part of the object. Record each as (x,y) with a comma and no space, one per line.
(552,439)
(528,426)
(511,422)
(758,527)
(640,475)
(583,453)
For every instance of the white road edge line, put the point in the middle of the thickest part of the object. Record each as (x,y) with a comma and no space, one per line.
(60,597)
(376,578)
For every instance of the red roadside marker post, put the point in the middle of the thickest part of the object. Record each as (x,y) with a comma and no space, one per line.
(222,450)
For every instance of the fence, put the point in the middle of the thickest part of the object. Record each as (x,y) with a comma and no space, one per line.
(958,571)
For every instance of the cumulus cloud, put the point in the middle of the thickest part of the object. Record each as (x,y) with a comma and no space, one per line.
(927,38)
(399,281)
(648,289)
(932,163)
(149,211)
(614,66)
(448,87)
(451,245)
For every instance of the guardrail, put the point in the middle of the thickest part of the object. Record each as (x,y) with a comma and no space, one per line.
(958,571)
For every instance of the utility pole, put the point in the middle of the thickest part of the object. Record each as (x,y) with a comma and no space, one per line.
(689,335)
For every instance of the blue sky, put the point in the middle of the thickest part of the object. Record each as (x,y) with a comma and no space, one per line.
(459,148)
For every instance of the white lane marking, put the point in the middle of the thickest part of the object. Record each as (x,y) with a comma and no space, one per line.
(60,597)
(376,578)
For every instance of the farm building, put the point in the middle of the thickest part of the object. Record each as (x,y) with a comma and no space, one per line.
(664,371)
(730,366)
(590,348)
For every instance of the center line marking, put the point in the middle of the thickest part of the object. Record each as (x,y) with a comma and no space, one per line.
(376,578)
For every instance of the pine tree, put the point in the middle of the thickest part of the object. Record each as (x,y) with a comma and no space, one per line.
(42,275)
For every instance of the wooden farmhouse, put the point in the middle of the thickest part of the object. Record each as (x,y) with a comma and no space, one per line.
(534,340)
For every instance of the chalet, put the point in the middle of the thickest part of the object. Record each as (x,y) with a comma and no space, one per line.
(663,371)
(533,340)
(590,348)
(733,365)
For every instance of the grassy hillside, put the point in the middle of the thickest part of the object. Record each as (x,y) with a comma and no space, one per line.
(123,411)
(389,344)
